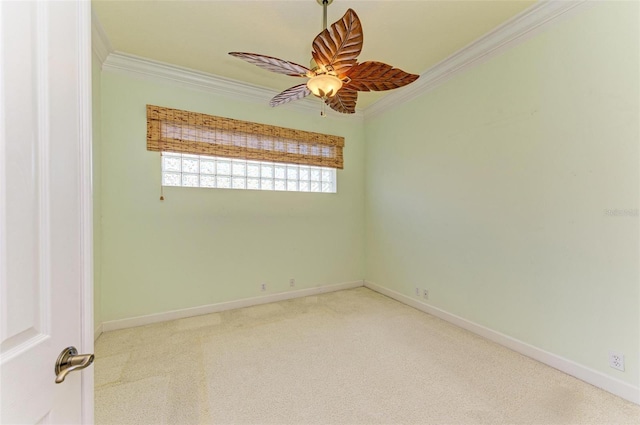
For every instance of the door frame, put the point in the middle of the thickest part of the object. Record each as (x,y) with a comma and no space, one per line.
(85,132)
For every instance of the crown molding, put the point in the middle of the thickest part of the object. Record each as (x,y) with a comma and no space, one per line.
(149,69)
(532,21)
(100,44)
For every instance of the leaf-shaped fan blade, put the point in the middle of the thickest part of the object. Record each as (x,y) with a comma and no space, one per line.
(344,101)
(339,45)
(273,64)
(292,93)
(378,76)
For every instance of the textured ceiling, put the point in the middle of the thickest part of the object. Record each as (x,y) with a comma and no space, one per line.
(411,35)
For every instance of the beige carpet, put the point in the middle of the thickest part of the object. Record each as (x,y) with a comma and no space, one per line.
(349,357)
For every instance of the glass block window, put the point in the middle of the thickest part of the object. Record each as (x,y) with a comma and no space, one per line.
(188,170)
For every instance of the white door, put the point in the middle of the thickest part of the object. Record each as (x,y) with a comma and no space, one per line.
(45,209)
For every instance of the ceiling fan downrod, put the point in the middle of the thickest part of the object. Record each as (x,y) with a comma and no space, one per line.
(324,4)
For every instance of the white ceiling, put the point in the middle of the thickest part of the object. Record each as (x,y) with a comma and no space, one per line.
(411,35)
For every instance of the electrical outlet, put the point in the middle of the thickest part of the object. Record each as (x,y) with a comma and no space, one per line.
(263,287)
(292,282)
(417,292)
(616,360)
(425,294)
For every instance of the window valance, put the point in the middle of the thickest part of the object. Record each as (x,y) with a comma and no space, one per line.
(174,130)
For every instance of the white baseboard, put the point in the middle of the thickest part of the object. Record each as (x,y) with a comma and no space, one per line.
(113,325)
(591,376)
(97,332)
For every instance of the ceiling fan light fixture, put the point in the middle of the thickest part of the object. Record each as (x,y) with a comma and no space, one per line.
(324,85)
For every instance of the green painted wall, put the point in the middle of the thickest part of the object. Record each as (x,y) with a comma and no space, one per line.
(96,82)
(204,246)
(493,191)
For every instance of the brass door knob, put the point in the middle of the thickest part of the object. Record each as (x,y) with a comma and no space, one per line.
(69,360)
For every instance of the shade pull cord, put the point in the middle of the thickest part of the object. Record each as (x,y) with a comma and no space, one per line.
(161,185)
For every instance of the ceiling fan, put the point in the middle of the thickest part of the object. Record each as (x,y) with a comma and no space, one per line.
(335,76)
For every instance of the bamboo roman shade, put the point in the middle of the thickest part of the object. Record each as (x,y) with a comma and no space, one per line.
(173,130)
